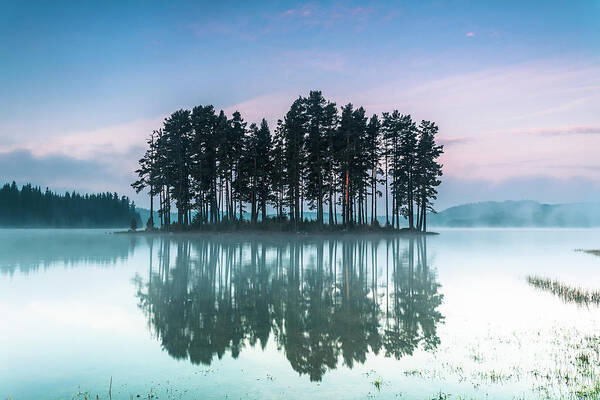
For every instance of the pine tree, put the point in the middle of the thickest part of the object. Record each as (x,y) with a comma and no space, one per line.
(146,176)
(372,154)
(235,146)
(316,151)
(204,160)
(295,132)
(278,169)
(216,166)
(264,165)
(408,160)
(178,130)
(428,170)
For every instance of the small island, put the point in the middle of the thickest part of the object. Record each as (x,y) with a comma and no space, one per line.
(322,169)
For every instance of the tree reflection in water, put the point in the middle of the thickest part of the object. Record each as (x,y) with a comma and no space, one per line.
(319,300)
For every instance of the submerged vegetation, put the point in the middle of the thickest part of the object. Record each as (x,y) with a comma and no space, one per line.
(565,292)
(334,163)
(560,364)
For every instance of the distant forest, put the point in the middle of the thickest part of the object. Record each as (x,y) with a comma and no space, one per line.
(331,161)
(32,207)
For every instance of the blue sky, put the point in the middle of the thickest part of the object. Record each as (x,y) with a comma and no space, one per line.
(514,85)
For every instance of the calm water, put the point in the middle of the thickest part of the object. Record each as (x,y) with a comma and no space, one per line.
(262,316)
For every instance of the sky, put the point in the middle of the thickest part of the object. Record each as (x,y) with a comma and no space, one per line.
(513,85)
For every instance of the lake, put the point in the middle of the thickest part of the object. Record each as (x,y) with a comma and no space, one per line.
(294,316)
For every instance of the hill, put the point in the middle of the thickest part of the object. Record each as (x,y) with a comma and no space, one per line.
(518,214)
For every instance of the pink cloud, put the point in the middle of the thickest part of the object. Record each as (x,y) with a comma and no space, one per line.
(565,130)
(470,34)
(451,141)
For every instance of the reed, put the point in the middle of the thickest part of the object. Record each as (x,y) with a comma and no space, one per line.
(567,293)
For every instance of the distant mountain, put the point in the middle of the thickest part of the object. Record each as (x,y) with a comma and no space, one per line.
(518,214)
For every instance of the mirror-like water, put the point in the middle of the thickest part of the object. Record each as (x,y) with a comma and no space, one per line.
(184,316)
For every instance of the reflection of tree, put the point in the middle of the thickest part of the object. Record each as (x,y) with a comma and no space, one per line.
(319,301)
(415,298)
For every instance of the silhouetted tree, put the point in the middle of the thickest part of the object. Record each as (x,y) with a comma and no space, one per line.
(32,207)
(217,166)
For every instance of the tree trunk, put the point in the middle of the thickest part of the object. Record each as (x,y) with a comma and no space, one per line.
(347,198)
(372,196)
(335,221)
(302,203)
(411,213)
(387,218)
(424,215)
(227,206)
(160,207)
(263,206)
(151,219)
(330,201)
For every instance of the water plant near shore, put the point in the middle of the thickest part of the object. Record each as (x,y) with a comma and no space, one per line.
(568,294)
(594,252)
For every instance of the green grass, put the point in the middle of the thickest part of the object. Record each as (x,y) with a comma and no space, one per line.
(589,392)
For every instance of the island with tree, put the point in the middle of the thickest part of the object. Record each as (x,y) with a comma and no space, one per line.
(220,172)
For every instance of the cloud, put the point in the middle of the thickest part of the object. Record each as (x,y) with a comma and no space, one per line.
(110,141)
(301,60)
(451,141)
(484,105)
(240,28)
(272,106)
(562,130)
(304,16)
(470,34)
(60,172)
(316,15)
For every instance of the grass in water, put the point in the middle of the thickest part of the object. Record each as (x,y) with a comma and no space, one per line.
(567,293)
(593,252)
(377,383)
(589,392)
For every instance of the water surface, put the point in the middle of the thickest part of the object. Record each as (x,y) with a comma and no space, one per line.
(272,316)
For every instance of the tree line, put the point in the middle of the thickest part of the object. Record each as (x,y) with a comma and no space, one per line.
(32,207)
(319,157)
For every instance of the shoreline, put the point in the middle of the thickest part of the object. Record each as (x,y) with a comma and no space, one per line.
(405,232)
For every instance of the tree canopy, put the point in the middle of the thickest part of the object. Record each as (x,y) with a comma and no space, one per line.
(319,156)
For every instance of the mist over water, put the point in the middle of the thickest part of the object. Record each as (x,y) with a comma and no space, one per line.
(274,316)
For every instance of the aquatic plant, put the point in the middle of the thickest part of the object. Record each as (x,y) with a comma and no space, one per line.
(377,383)
(589,392)
(593,252)
(567,293)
